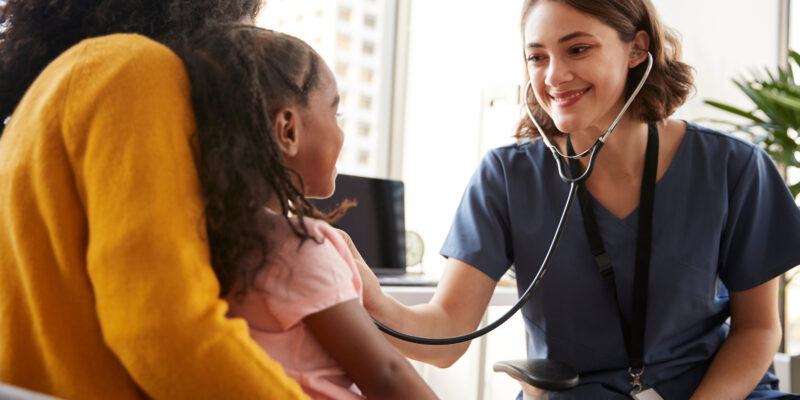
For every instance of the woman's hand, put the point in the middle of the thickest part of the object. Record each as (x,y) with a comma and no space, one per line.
(371,287)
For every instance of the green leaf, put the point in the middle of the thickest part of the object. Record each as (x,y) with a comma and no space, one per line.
(793,55)
(786,100)
(734,110)
(769,75)
(776,98)
(761,103)
(789,74)
(795,189)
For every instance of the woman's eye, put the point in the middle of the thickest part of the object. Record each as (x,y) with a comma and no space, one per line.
(535,58)
(579,49)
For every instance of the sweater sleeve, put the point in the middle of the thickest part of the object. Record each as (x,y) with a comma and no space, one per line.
(128,125)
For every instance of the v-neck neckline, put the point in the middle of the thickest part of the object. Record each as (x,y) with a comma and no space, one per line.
(629,221)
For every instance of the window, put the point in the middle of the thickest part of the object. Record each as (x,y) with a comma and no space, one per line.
(365,102)
(370,21)
(366,75)
(342,69)
(344,14)
(368,47)
(363,157)
(343,42)
(363,129)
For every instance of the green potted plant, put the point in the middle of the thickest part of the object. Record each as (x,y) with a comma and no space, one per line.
(773,123)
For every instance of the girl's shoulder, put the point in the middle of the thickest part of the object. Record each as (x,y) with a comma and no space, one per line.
(322,240)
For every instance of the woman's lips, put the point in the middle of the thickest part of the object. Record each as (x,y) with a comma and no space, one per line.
(566,99)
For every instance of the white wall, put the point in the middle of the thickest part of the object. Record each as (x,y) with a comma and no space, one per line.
(722,40)
(456,48)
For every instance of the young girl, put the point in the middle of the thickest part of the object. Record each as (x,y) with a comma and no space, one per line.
(268,138)
(722,226)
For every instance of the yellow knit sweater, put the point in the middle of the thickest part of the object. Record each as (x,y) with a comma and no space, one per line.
(106,290)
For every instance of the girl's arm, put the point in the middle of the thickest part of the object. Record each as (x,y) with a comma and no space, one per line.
(751,345)
(456,308)
(349,336)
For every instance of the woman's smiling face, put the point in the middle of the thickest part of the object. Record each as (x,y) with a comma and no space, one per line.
(578,66)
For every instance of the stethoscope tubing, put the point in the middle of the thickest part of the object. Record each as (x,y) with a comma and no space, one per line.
(592,151)
(524,298)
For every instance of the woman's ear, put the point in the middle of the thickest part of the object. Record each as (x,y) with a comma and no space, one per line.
(639,46)
(285,126)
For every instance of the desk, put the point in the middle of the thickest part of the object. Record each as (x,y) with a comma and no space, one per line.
(503,296)
(410,295)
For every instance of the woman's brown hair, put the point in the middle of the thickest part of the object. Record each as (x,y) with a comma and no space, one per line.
(669,83)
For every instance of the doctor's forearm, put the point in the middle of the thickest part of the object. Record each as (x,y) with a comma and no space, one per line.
(427,320)
(740,364)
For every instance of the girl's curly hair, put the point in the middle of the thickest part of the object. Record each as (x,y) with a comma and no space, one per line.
(34,32)
(241,77)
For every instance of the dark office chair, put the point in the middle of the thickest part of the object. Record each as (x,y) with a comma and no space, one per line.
(539,377)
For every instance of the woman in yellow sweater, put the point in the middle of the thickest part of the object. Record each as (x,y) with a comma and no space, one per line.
(106,288)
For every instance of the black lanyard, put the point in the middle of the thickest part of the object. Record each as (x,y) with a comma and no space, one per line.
(634,334)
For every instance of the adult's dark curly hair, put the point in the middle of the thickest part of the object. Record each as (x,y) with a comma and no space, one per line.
(241,76)
(34,32)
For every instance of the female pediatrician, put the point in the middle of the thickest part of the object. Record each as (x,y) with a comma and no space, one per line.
(704,214)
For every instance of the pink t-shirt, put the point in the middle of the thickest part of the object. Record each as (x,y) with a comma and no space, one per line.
(299,282)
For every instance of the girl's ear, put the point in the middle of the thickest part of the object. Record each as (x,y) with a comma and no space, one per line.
(285,126)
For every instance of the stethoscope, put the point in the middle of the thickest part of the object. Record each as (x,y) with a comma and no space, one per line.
(573,186)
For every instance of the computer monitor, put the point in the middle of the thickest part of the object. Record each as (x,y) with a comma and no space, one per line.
(376,224)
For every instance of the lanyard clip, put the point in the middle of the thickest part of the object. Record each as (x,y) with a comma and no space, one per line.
(636,383)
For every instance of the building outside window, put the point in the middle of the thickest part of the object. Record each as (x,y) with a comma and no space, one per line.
(363,129)
(368,48)
(370,21)
(342,69)
(345,14)
(335,28)
(366,74)
(343,42)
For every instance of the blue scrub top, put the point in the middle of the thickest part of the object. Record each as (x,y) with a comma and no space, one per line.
(723,220)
